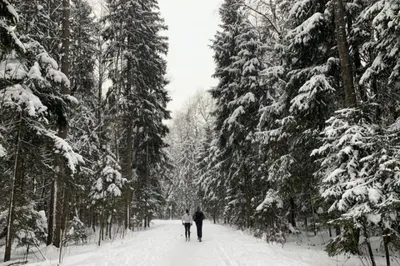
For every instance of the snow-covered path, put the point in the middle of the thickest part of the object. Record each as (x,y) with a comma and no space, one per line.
(164,245)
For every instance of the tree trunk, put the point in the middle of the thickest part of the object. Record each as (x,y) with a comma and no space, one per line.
(67,189)
(357,63)
(93,220)
(313,213)
(13,196)
(344,55)
(109,222)
(101,227)
(65,62)
(145,183)
(42,205)
(100,85)
(52,212)
(129,142)
(59,183)
(371,254)
(247,195)
(128,171)
(292,214)
(386,241)
(58,191)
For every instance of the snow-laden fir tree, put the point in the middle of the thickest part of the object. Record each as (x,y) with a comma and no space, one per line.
(212,186)
(137,70)
(106,191)
(41,20)
(32,98)
(359,169)
(225,47)
(360,177)
(376,31)
(302,96)
(238,54)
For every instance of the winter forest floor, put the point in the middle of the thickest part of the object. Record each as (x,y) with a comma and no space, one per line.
(164,244)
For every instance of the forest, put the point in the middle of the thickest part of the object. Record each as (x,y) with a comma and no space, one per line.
(304,133)
(300,134)
(76,154)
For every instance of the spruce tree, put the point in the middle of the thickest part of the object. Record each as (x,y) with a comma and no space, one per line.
(239,94)
(137,71)
(31,98)
(358,142)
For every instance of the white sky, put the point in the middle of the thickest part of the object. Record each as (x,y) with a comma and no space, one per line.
(191,26)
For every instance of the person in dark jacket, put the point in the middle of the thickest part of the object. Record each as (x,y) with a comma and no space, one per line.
(198,218)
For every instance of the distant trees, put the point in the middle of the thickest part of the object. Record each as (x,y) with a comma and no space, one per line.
(189,129)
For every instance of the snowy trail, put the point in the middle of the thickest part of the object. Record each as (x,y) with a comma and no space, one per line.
(164,245)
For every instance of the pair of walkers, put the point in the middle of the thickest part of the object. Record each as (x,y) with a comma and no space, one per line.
(187,221)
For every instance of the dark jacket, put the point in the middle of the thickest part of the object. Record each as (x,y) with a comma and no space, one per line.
(198,217)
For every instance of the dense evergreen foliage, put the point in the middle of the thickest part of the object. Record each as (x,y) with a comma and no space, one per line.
(75,153)
(306,121)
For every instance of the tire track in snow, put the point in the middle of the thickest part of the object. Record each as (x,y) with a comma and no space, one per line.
(222,254)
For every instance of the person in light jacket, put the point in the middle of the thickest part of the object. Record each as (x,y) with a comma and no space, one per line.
(187,222)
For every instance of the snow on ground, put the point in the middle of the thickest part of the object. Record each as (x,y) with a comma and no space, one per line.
(164,244)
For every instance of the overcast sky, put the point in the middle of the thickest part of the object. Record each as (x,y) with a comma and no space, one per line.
(192,24)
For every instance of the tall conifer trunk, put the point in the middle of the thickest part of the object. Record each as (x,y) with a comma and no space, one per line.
(292,213)
(129,143)
(128,172)
(60,199)
(13,196)
(344,55)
